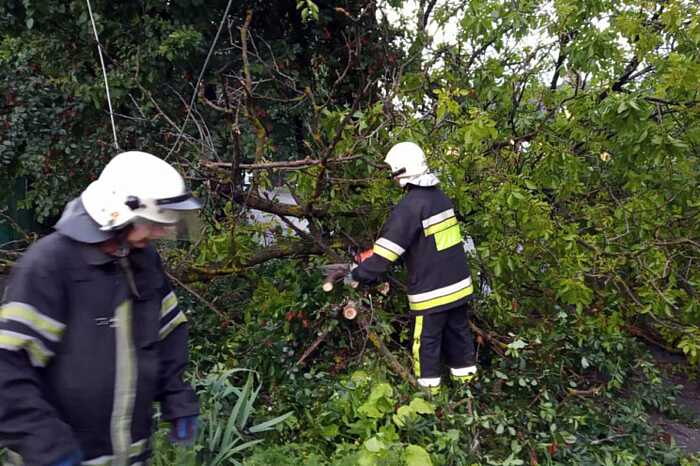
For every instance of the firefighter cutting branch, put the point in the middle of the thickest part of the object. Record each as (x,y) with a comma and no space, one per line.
(91,334)
(423,231)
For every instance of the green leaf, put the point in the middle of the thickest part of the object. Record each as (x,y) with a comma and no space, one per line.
(267,425)
(379,402)
(417,456)
(402,415)
(374,445)
(330,430)
(420,406)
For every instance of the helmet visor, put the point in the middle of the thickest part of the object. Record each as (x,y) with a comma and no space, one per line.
(186,226)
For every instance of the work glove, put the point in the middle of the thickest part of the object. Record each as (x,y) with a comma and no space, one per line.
(184,430)
(73,459)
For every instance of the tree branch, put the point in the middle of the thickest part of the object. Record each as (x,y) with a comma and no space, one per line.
(426,14)
(627,75)
(290,164)
(388,356)
(563,42)
(276,251)
(254,201)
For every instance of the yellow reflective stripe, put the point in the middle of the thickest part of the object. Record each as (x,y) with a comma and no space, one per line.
(385,253)
(168,303)
(437,218)
(440,226)
(430,384)
(463,378)
(390,245)
(440,292)
(457,295)
(447,238)
(172,325)
(417,332)
(28,315)
(137,448)
(124,386)
(39,355)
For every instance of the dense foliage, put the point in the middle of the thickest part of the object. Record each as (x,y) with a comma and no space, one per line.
(567,132)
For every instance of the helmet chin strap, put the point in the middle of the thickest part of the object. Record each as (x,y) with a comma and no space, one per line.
(122,252)
(126,268)
(119,240)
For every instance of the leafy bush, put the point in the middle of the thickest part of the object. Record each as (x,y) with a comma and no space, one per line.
(571,159)
(225,431)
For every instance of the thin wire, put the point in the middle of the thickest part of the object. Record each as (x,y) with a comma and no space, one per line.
(104,74)
(199,79)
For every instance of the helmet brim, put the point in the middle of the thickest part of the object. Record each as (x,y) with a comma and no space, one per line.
(190,203)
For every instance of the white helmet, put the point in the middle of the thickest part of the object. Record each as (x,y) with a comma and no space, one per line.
(406,159)
(137,186)
(408,165)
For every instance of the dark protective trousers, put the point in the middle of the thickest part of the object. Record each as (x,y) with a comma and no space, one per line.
(442,335)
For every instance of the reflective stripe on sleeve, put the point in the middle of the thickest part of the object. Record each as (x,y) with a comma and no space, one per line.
(437,218)
(39,355)
(29,316)
(168,304)
(172,325)
(391,246)
(385,253)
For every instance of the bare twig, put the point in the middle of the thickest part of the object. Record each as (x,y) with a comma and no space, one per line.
(204,301)
(498,346)
(608,439)
(377,342)
(321,336)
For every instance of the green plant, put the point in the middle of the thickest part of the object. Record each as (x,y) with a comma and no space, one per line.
(226,431)
(290,454)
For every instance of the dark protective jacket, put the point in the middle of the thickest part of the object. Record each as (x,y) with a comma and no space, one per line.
(423,231)
(82,358)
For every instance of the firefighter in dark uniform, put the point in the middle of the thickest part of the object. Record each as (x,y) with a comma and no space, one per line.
(91,334)
(423,231)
